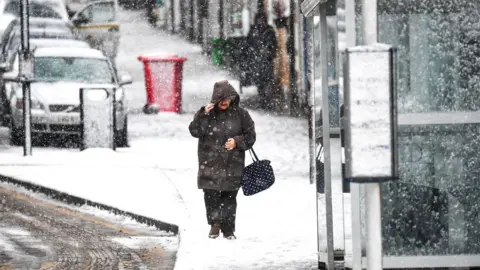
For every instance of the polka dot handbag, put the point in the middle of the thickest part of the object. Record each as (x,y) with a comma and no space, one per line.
(257,176)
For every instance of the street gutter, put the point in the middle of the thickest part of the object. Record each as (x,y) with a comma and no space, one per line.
(74,200)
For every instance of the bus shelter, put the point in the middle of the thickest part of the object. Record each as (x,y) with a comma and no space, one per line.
(430,215)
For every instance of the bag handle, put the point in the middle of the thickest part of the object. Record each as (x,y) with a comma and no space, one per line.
(254,156)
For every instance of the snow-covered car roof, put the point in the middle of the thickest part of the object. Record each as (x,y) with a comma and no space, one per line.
(53,42)
(69,52)
(5,20)
(58,6)
(41,27)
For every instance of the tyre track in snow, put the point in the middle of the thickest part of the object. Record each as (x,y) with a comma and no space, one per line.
(40,234)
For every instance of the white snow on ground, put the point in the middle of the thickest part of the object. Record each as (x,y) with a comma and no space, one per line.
(156,176)
(6,244)
(137,190)
(275,229)
(152,243)
(20,235)
(14,231)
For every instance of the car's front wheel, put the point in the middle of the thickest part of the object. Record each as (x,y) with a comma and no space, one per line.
(121,136)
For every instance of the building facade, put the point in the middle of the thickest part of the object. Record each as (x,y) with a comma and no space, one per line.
(213,22)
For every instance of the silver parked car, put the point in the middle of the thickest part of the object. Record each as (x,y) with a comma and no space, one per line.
(59,73)
(5,113)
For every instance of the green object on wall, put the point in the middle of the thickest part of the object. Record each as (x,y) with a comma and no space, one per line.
(218,51)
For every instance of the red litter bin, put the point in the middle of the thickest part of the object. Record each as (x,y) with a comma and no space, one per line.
(163,82)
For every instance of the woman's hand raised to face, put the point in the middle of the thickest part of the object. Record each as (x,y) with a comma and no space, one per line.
(209,107)
(230,144)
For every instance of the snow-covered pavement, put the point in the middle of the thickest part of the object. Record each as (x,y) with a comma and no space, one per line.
(156,176)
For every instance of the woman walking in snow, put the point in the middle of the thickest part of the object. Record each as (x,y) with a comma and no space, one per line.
(224,131)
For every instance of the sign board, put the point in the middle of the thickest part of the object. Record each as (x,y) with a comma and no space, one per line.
(97,116)
(370,114)
(26,67)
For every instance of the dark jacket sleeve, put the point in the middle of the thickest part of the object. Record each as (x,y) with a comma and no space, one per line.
(199,124)
(248,137)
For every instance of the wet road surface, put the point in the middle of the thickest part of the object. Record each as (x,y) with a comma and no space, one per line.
(38,233)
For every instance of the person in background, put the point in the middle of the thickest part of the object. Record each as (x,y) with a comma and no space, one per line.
(152,8)
(262,43)
(224,131)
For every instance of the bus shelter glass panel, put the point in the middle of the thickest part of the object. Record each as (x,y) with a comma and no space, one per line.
(433,209)
(438,51)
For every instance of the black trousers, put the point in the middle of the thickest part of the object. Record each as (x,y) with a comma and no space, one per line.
(221,208)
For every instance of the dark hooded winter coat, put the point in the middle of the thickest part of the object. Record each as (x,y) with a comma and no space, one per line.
(219,168)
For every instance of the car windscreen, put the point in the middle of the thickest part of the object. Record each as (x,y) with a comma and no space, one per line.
(72,69)
(35,10)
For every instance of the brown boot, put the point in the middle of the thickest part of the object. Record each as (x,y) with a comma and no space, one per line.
(214,231)
(229,235)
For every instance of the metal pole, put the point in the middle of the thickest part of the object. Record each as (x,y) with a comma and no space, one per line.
(354,187)
(311,105)
(183,17)
(330,261)
(374,226)
(172,14)
(221,21)
(369,21)
(334,101)
(25,59)
(191,34)
(292,37)
(372,190)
